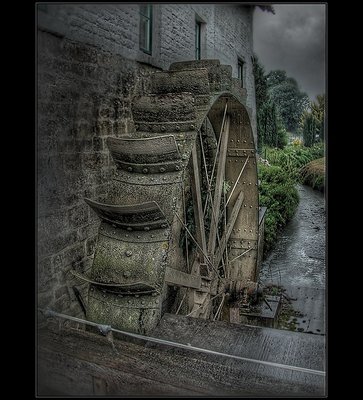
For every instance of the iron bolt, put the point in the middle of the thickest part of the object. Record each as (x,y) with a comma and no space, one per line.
(128,253)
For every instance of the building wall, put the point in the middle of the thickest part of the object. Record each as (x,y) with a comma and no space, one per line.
(89,69)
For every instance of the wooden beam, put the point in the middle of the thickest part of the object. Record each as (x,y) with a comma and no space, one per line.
(179,278)
(219,187)
(232,220)
(197,202)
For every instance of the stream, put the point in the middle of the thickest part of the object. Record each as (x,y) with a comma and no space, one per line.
(297,263)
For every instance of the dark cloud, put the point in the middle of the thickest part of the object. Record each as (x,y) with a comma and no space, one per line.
(293,39)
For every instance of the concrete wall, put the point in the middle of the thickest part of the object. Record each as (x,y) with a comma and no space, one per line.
(89,69)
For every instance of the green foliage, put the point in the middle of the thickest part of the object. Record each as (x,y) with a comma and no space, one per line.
(276,77)
(293,158)
(290,101)
(270,127)
(227,185)
(261,100)
(318,111)
(313,174)
(260,83)
(312,122)
(267,8)
(278,193)
(308,129)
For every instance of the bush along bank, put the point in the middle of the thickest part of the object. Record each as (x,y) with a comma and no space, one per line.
(313,174)
(278,193)
(293,158)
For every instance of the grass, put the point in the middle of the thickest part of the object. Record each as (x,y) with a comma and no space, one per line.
(313,174)
(293,157)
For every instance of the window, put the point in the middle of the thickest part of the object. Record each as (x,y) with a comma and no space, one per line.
(146,28)
(198,29)
(240,71)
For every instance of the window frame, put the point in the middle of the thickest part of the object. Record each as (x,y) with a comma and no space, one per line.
(198,40)
(148,17)
(241,71)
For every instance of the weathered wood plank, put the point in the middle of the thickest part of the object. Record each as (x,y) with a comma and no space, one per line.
(180,278)
(197,200)
(69,360)
(219,187)
(229,227)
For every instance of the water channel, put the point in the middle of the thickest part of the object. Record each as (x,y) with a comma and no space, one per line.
(297,263)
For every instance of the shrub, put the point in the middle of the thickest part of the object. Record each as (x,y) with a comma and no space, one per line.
(279,194)
(293,157)
(313,174)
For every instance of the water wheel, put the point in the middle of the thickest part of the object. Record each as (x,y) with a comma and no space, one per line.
(179,226)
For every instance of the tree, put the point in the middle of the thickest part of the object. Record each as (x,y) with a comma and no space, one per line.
(312,122)
(261,99)
(308,129)
(276,77)
(318,111)
(285,93)
(268,8)
(270,129)
(260,83)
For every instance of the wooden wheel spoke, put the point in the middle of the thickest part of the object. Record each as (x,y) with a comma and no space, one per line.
(229,227)
(218,187)
(238,178)
(217,211)
(197,201)
(209,188)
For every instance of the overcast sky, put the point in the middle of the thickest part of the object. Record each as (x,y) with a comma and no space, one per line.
(293,39)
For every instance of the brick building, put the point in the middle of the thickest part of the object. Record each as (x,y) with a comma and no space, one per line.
(92,60)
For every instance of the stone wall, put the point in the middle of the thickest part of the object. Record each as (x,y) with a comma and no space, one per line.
(226,36)
(84,96)
(89,69)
